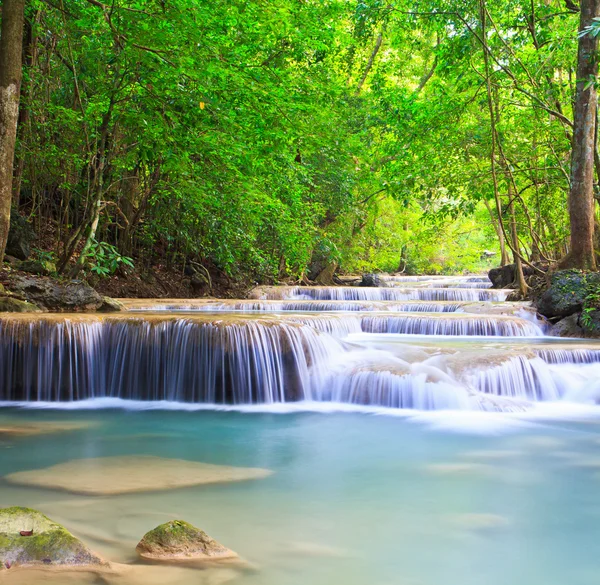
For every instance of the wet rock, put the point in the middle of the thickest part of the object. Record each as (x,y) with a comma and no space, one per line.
(179,540)
(506,276)
(12,305)
(20,237)
(568,327)
(370,280)
(30,539)
(73,296)
(40,267)
(129,474)
(110,306)
(503,276)
(567,293)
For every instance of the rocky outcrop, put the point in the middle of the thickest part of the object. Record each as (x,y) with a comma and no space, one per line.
(39,267)
(503,276)
(568,327)
(30,539)
(571,299)
(178,540)
(506,276)
(52,295)
(370,280)
(110,305)
(20,237)
(10,304)
(567,293)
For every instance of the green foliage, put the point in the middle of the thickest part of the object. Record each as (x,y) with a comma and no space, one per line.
(258,136)
(105,259)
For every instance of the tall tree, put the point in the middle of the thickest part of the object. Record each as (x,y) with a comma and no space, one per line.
(581,195)
(11,48)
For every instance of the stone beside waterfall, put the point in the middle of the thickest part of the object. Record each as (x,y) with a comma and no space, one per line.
(106,476)
(30,539)
(178,540)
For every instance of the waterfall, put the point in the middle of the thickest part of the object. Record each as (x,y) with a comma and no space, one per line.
(456,325)
(518,377)
(440,343)
(345,293)
(63,359)
(291,305)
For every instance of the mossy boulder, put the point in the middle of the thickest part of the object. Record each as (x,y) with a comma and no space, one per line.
(50,294)
(567,293)
(30,539)
(178,540)
(40,267)
(20,237)
(12,305)
(110,305)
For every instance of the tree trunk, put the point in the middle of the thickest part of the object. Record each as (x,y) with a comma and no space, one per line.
(581,196)
(11,48)
(504,259)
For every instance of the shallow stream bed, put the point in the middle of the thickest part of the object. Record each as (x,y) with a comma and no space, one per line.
(355,499)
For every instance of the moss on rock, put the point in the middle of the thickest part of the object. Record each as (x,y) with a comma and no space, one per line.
(49,543)
(567,293)
(179,540)
(12,305)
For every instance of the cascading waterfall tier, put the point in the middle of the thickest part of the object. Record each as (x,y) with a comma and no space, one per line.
(347,293)
(265,359)
(216,305)
(424,343)
(231,361)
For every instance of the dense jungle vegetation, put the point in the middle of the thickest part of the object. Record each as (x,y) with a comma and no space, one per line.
(264,138)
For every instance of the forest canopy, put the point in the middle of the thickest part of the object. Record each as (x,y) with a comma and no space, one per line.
(267,138)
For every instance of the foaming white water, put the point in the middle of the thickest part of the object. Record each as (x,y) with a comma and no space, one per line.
(519,377)
(392,362)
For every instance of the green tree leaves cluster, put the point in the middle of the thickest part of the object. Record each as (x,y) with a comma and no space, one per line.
(252,135)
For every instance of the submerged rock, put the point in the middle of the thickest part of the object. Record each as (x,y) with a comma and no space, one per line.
(128,474)
(30,539)
(179,540)
(27,429)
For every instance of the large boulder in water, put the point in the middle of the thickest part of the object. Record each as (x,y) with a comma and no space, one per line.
(506,276)
(503,276)
(568,327)
(370,280)
(178,540)
(73,296)
(567,293)
(30,539)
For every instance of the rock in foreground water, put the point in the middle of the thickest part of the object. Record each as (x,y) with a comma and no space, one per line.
(30,539)
(179,540)
(128,474)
